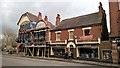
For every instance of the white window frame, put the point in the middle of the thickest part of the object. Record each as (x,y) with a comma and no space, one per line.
(86,28)
(57,32)
(71,30)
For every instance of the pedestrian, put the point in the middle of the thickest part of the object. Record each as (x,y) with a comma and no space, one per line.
(66,55)
(70,55)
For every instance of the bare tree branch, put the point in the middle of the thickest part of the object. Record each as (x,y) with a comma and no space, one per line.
(9,36)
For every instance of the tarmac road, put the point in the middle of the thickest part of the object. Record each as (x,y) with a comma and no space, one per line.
(10,61)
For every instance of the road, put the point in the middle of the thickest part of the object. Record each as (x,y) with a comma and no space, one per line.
(22,61)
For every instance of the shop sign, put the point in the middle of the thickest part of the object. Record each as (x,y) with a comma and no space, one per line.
(86,45)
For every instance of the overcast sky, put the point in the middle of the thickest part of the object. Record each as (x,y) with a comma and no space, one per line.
(11,10)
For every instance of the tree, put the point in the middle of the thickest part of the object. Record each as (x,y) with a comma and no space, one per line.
(9,37)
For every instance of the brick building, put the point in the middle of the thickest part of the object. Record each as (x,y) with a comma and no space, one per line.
(85,36)
(115,29)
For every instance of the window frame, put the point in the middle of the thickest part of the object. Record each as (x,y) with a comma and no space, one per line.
(87,28)
(58,32)
(72,30)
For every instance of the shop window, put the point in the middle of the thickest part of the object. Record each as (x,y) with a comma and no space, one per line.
(88,53)
(59,52)
(107,54)
(57,36)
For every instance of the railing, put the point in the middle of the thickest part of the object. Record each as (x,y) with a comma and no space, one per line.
(58,42)
(88,41)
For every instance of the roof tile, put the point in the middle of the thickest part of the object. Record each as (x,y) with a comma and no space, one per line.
(79,21)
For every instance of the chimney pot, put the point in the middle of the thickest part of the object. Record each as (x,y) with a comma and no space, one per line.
(101,10)
(39,16)
(47,22)
(46,18)
(58,20)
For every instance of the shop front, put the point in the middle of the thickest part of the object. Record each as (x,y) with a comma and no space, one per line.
(58,51)
(88,52)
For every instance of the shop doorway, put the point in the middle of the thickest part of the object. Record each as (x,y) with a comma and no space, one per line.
(71,49)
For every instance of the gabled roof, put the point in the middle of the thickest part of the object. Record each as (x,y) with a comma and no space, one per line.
(79,21)
(30,16)
(33,18)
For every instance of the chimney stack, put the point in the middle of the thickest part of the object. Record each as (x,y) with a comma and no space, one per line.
(46,19)
(101,10)
(58,20)
(39,16)
(47,22)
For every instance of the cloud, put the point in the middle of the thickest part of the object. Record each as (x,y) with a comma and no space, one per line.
(11,10)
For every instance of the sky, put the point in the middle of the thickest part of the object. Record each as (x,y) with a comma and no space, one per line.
(11,10)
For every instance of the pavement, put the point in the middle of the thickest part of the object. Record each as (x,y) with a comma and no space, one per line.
(71,61)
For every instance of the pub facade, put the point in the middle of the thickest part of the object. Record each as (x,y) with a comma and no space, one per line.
(33,32)
(86,36)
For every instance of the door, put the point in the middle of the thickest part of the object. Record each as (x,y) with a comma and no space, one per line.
(72,50)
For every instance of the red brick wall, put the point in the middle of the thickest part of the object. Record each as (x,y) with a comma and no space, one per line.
(78,32)
(53,36)
(95,31)
(64,35)
(113,18)
(119,24)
